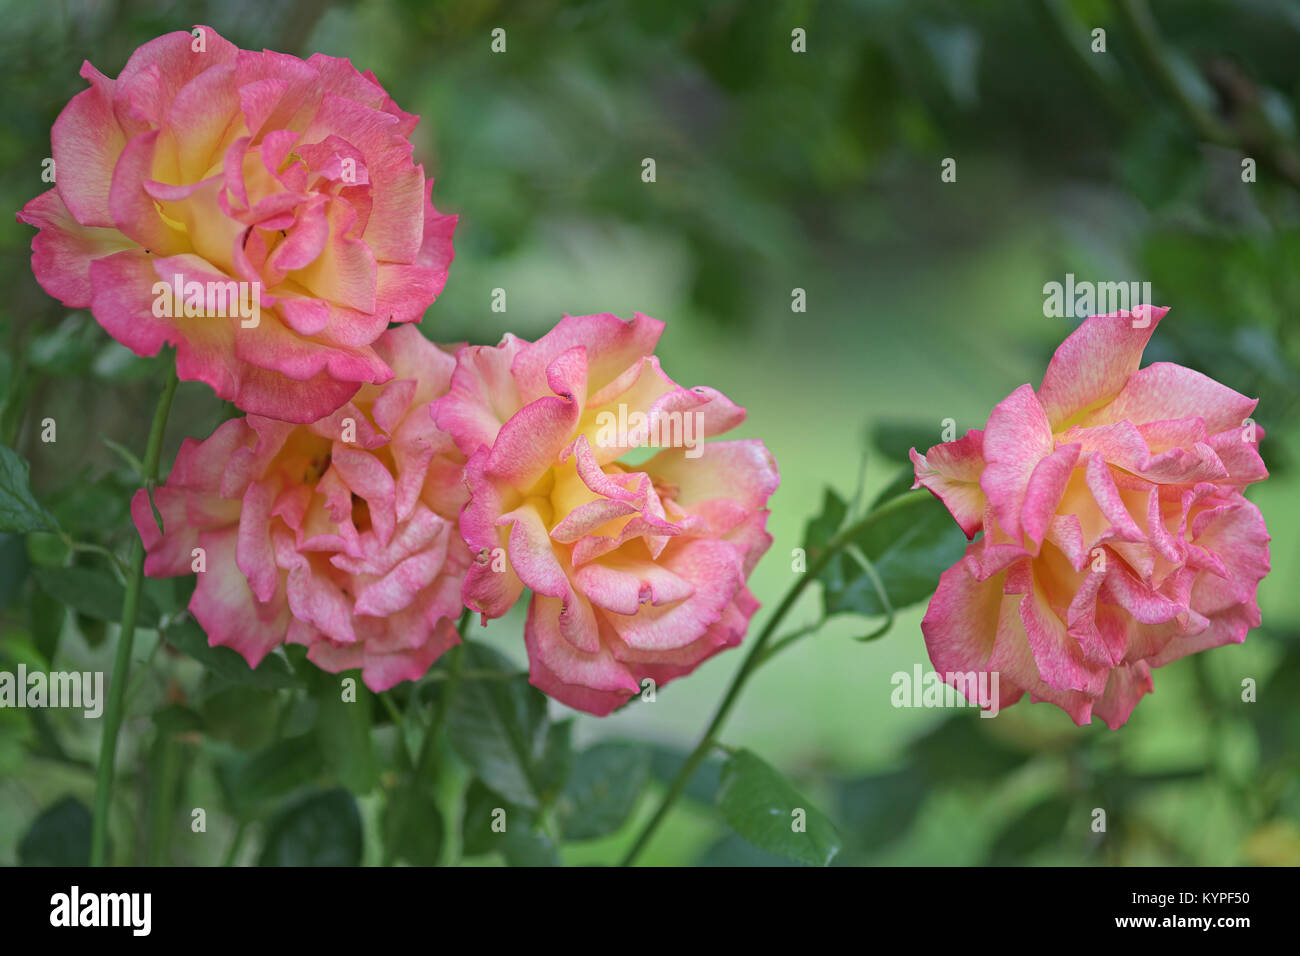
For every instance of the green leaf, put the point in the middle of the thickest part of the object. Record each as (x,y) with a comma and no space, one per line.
(242,716)
(413,827)
(85,509)
(47,622)
(17,647)
(500,728)
(116,363)
(961,750)
(879,809)
(251,784)
(1039,827)
(47,550)
(94,593)
(19,510)
(92,630)
(761,805)
(13,566)
(603,789)
(902,481)
(68,348)
(16,736)
(822,527)
(665,762)
(734,850)
(909,549)
(343,727)
(272,673)
(491,824)
(321,829)
(128,457)
(895,439)
(60,836)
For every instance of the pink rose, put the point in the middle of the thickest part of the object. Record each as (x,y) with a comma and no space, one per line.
(339,535)
(277,196)
(1115,535)
(637,571)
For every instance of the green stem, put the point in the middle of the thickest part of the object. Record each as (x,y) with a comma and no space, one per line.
(1137,15)
(434,731)
(232,854)
(88,548)
(1074,38)
(782,643)
(756,656)
(457,657)
(114,710)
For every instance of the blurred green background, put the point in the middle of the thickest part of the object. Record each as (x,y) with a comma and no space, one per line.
(776,170)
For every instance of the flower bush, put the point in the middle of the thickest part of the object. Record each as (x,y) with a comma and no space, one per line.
(259,222)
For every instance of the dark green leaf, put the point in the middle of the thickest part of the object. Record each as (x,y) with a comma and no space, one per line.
(909,549)
(665,762)
(272,673)
(895,439)
(734,850)
(94,593)
(603,789)
(500,728)
(240,715)
(19,510)
(413,827)
(47,550)
(60,836)
(960,749)
(84,509)
(252,783)
(1038,828)
(344,730)
(881,808)
(321,829)
(92,630)
(13,566)
(47,622)
(491,824)
(822,527)
(759,804)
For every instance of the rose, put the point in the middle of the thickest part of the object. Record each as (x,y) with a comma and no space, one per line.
(637,571)
(1115,539)
(256,177)
(339,535)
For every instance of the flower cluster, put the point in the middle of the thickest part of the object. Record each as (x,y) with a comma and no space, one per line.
(263,215)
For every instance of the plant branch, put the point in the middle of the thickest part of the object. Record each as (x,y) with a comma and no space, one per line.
(757,655)
(114,710)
